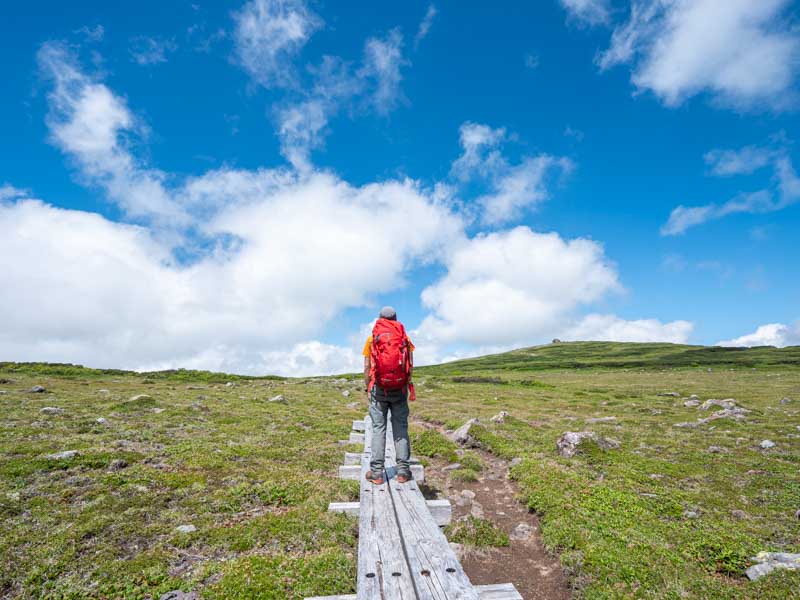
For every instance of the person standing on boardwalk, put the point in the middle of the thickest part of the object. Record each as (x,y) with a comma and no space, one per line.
(388,364)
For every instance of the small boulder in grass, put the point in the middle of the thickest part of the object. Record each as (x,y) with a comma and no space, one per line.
(186,529)
(500,417)
(278,398)
(767,444)
(179,595)
(51,410)
(64,455)
(346,393)
(767,562)
(140,398)
(570,441)
(462,435)
(521,532)
(37,389)
(515,461)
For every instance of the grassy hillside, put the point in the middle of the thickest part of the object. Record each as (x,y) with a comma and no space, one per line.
(582,355)
(674,512)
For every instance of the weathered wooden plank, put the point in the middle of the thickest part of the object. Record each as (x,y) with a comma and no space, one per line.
(382,568)
(498,591)
(495,591)
(354,458)
(441,510)
(353,472)
(437,573)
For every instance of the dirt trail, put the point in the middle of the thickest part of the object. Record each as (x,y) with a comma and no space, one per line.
(525,563)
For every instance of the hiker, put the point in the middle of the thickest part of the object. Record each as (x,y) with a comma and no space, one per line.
(388,363)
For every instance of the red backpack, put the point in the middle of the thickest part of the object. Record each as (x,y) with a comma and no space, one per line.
(390,360)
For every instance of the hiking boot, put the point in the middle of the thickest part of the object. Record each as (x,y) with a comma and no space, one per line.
(376,479)
(404,477)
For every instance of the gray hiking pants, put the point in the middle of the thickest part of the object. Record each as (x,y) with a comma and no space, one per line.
(380,406)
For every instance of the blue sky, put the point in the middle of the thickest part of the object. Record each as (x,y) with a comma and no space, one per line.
(241,187)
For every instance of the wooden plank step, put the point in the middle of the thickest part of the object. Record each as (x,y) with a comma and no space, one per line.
(383,571)
(495,591)
(434,566)
(353,472)
(441,510)
(359,425)
(356,438)
(354,458)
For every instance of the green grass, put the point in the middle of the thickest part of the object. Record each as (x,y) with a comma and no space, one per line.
(255,477)
(476,533)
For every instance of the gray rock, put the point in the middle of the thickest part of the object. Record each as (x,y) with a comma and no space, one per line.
(515,461)
(230,384)
(138,397)
(670,394)
(103,392)
(691,403)
(467,494)
(118,464)
(601,419)
(179,595)
(476,510)
(278,398)
(500,417)
(101,421)
(458,550)
(158,411)
(353,404)
(770,561)
(66,454)
(462,435)
(186,528)
(715,449)
(690,514)
(346,393)
(797,514)
(569,442)
(767,444)
(51,410)
(785,400)
(523,531)
(737,412)
(452,467)
(727,403)
(687,424)
(37,389)
(739,514)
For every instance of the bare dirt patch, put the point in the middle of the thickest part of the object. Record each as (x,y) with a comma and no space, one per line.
(535,573)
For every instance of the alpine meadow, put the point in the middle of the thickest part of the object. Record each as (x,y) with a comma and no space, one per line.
(431,300)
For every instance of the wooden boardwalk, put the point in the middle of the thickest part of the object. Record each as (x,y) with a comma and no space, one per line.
(402,553)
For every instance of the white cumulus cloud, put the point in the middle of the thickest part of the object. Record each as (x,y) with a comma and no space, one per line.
(513,286)
(784,190)
(511,188)
(743,53)
(589,12)
(771,334)
(91,124)
(597,327)
(268,35)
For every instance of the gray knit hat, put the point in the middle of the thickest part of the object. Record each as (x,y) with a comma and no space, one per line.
(387,312)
